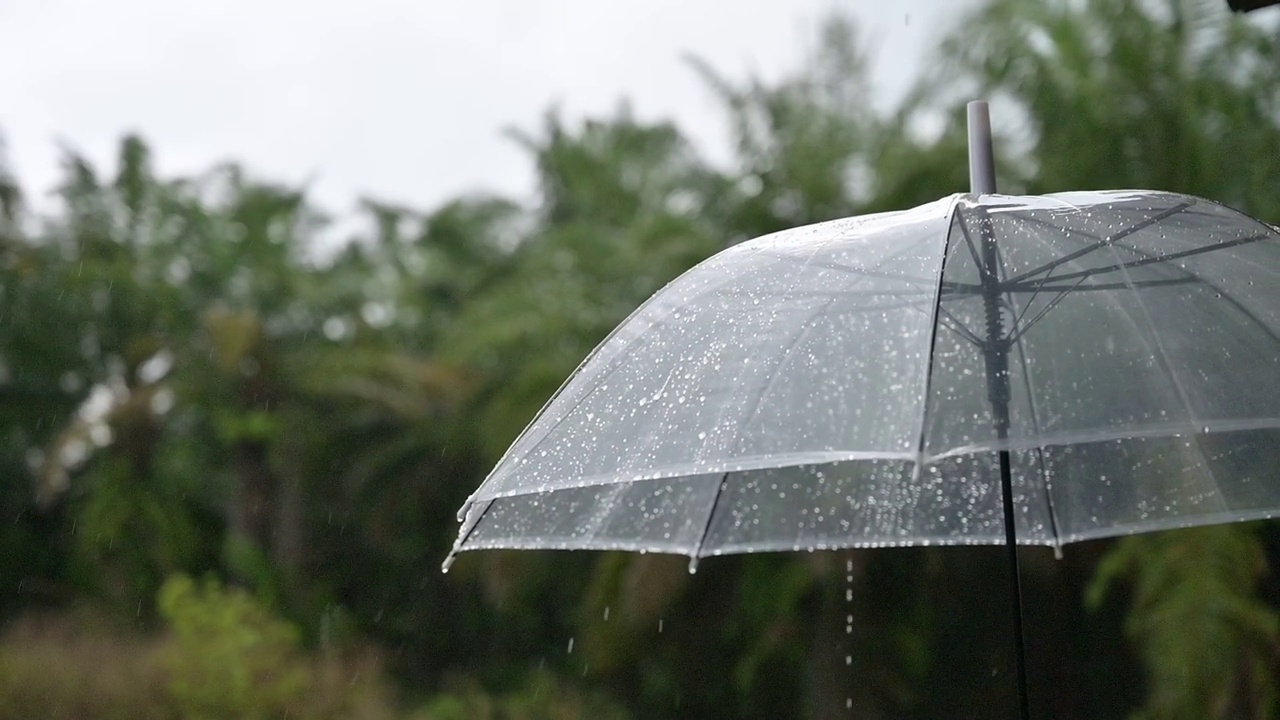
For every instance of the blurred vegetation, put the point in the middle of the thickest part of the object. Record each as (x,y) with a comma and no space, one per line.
(189,392)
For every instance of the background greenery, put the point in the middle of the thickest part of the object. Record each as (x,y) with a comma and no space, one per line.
(231,469)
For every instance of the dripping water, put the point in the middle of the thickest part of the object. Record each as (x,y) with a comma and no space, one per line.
(848,621)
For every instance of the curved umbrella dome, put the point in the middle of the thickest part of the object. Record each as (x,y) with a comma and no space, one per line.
(851,384)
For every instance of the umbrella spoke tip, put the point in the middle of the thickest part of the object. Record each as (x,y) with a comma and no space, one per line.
(693,565)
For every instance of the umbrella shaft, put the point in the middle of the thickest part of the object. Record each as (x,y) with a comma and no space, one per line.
(1015,584)
(996,347)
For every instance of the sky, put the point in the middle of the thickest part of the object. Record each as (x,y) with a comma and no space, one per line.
(402,100)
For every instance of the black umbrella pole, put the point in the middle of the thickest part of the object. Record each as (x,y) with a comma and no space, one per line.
(1020,651)
(997,361)
(982,181)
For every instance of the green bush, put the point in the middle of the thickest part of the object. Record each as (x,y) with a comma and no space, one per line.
(229,658)
(56,667)
(545,697)
(223,656)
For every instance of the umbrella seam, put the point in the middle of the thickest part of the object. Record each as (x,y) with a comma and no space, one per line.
(953,217)
(514,450)
(1035,427)
(785,356)
(1101,242)
(825,458)
(1163,357)
(888,543)
(458,545)
(706,527)
(1212,285)
(725,409)
(1079,437)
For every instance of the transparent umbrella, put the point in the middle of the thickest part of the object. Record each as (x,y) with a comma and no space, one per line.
(984,369)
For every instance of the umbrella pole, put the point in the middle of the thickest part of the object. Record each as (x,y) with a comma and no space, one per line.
(982,164)
(982,180)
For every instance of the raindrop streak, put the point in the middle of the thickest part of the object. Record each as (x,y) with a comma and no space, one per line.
(606,613)
(570,646)
(848,621)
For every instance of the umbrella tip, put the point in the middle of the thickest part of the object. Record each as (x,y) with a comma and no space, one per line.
(1057,552)
(693,564)
(448,562)
(982,165)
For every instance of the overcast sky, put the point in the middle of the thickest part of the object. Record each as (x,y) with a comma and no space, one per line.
(403,100)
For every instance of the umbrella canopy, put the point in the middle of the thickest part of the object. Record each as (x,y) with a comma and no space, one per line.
(983,369)
(855,383)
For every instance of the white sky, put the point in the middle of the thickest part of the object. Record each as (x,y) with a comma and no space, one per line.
(403,100)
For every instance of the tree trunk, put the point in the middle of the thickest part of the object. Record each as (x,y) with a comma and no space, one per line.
(252,502)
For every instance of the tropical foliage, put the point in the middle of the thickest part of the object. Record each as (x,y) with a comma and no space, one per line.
(233,466)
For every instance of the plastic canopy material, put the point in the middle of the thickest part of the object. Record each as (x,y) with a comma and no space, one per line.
(853,383)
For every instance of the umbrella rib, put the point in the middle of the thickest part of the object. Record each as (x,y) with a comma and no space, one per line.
(1034,294)
(1076,437)
(706,526)
(615,364)
(1035,426)
(1106,286)
(1163,356)
(1101,242)
(954,217)
(1191,277)
(1043,311)
(785,355)
(1153,259)
(957,327)
(466,534)
(968,240)
(724,410)
(910,280)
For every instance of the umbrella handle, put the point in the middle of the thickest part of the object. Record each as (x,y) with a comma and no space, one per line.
(982,164)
